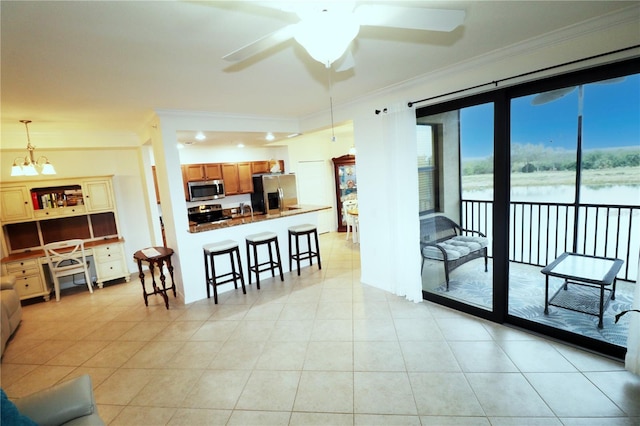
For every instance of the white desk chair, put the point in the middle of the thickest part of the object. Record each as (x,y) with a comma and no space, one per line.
(67,258)
(350,220)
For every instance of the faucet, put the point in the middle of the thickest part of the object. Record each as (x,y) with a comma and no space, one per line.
(243,207)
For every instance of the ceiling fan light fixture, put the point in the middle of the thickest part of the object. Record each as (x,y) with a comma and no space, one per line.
(326,35)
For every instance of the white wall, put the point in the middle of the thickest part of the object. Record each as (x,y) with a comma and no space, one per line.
(319,147)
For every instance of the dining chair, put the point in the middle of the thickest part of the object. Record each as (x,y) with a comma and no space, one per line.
(67,258)
(349,219)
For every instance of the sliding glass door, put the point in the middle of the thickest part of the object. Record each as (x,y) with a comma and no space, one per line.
(575,188)
(455,167)
(547,175)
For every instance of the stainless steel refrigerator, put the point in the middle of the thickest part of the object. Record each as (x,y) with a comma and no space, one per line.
(273,193)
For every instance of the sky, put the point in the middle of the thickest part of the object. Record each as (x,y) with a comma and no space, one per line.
(611,118)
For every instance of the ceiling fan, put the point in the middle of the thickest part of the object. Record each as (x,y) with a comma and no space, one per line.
(325,29)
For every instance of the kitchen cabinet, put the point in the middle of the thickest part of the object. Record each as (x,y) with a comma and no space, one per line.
(346,185)
(260,167)
(245,178)
(16,204)
(237,178)
(198,172)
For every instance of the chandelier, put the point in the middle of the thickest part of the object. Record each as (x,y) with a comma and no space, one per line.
(29,166)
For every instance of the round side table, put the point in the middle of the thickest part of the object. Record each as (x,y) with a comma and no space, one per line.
(156,256)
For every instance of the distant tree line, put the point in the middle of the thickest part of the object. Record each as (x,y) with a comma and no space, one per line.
(527,158)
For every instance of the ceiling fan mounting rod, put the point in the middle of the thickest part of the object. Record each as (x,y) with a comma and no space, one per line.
(333,134)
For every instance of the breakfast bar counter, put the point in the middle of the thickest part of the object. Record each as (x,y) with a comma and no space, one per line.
(294,210)
(191,243)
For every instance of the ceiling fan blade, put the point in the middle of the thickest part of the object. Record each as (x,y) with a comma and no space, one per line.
(261,44)
(346,62)
(415,18)
(551,95)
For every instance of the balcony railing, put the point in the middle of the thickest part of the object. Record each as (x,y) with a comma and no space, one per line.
(540,232)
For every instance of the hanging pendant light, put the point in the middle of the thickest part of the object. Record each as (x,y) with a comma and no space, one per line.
(29,166)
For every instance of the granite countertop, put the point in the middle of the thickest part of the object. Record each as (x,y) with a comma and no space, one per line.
(238,220)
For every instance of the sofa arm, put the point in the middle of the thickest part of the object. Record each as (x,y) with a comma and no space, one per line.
(7,282)
(61,403)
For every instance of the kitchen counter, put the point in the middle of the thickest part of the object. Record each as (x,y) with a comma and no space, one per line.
(246,219)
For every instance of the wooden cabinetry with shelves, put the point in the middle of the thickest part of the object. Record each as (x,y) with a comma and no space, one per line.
(59,210)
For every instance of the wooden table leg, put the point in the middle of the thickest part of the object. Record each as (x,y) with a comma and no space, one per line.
(173,284)
(163,291)
(141,276)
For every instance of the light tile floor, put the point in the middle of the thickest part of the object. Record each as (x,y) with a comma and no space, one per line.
(319,349)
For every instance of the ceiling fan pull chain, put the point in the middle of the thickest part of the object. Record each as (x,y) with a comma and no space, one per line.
(333,135)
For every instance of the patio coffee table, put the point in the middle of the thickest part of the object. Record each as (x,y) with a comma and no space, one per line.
(586,271)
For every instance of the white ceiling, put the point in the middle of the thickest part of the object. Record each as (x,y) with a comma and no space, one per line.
(105,66)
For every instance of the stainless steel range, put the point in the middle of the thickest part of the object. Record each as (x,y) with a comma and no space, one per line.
(207,213)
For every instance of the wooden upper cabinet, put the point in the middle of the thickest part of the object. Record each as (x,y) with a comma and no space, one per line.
(259,167)
(192,172)
(245,180)
(231,178)
(237,178)
(198,172)
(212,171)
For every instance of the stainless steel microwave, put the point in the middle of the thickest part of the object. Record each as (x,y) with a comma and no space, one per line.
(206,190)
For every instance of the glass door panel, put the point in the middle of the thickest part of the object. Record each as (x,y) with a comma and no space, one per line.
(455,171)
(575,188)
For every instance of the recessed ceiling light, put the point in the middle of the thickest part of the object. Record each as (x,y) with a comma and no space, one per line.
(200,136)
(240,145)
(270,136)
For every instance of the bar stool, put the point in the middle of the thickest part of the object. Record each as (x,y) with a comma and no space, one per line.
(229,247)
(298,231)
(255,240)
